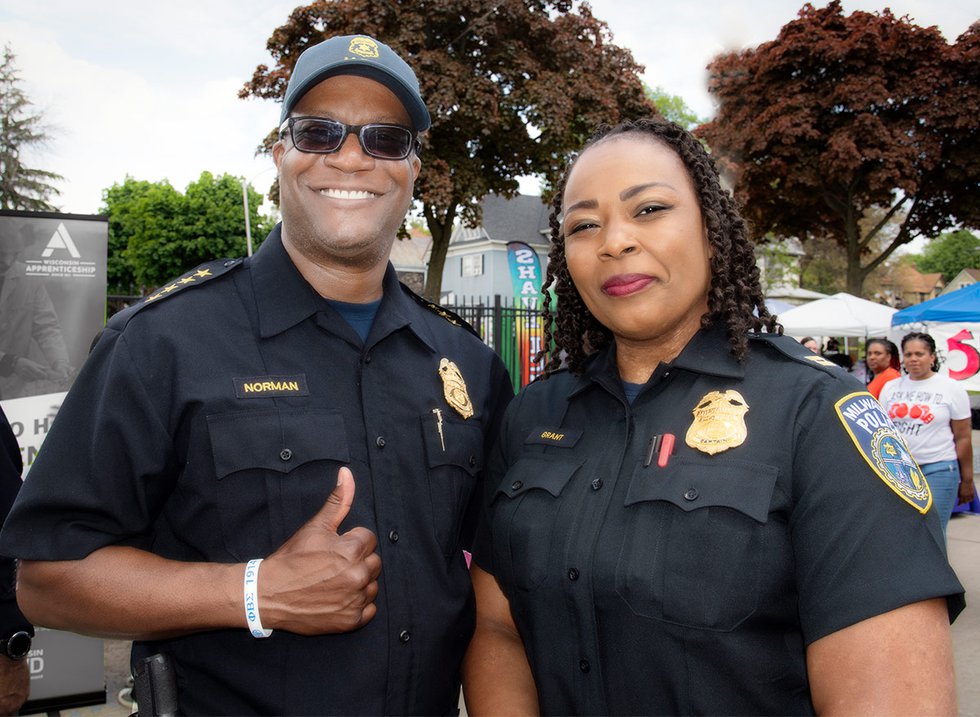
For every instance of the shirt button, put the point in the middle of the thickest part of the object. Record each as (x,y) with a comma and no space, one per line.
(367,359)
(596,483)
(380,442)
(472,461)
(691,494)
(393,536)
(404,636)
(517,485)
(285,454)
(584,665)
(572,574)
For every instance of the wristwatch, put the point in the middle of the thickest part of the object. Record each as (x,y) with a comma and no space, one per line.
(16,646)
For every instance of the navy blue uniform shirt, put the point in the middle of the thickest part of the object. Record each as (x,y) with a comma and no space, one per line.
(209,424)
(650,581)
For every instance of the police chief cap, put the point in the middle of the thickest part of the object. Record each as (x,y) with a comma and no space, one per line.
(362,56)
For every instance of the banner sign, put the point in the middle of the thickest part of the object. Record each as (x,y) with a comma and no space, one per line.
(958,348)
(52,306)
(525,273)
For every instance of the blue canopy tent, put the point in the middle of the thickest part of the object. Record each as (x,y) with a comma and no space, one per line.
(962,305)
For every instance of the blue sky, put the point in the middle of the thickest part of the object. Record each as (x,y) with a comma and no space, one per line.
(149,89)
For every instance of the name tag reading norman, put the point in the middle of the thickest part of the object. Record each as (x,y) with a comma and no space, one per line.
(271,386)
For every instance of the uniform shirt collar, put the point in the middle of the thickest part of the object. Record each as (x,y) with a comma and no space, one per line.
(284,298)
(707,353)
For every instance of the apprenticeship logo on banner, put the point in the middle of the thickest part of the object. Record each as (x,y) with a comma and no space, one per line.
(61,258)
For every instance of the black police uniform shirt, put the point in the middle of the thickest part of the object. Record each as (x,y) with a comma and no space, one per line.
(209,424)
(645,580)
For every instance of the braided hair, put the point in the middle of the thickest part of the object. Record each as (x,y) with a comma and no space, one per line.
(573,333)
(928,341)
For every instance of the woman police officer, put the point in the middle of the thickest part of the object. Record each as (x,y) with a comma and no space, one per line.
(694,516)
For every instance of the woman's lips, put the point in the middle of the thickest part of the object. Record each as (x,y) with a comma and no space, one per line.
(626,284)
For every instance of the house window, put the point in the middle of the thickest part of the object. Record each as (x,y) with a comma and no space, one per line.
(472,265)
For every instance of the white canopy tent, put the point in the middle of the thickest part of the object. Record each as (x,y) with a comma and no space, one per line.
(838,315)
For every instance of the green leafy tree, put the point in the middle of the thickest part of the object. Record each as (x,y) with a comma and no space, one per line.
(949,254)
(840,115)
(21,129)
(673,107)
(512,85)
(156,233)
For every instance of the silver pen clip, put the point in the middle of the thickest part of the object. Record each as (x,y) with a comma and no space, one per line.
(442,437)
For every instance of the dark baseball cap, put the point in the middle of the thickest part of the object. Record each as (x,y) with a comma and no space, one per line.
(362,56)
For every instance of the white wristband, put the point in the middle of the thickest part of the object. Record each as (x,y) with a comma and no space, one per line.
(252,600)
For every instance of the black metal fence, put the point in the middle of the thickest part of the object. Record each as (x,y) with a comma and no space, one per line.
(515,332)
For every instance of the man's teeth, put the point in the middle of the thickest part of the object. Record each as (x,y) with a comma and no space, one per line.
(346,194)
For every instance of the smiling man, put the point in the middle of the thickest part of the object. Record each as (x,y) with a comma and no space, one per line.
(265,470)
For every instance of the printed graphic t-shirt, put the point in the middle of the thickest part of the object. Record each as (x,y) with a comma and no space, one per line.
(921,411)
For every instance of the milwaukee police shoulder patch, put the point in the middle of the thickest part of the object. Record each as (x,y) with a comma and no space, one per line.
(878,443)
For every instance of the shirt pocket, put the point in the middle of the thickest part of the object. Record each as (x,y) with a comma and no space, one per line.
(694,542)
(274,469)
(525,513)
(454,458)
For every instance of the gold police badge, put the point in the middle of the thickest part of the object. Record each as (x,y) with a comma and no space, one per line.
(719,422)
(454,388)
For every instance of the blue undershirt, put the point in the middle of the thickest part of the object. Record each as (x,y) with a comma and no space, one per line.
(359,316)
(632,390)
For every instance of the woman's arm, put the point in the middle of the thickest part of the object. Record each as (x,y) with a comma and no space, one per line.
(496,675)
(964,455)
(896,663)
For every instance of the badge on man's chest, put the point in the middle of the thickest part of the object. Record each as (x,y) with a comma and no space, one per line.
(454,388)
(719,422)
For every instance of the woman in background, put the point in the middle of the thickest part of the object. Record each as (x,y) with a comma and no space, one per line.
(881,355)
(932,412)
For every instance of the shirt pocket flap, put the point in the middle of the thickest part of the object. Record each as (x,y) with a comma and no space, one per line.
(452,443)
(276,440)
(741,485)
(538,472)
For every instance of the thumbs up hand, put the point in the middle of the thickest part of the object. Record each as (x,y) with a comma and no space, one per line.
(321,581)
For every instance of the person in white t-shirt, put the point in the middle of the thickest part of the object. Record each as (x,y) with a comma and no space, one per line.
(932,413)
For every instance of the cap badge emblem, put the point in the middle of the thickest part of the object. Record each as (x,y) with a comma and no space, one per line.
(364,47)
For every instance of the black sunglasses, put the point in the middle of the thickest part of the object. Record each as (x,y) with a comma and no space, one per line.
(320,135)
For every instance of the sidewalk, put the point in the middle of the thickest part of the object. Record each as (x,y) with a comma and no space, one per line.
(963,539)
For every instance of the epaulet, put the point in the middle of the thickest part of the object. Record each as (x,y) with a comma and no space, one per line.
(445,313)
(196,277)
(798,352)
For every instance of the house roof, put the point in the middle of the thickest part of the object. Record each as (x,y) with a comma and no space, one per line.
(908,279)
(521,218)
(411,254)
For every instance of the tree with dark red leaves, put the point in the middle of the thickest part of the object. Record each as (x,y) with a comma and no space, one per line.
(841,116)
